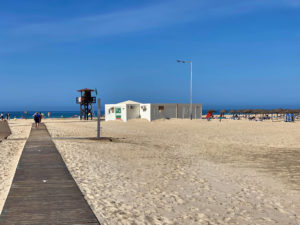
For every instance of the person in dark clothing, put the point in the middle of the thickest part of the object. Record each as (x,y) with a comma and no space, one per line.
(37,119)
(41,116)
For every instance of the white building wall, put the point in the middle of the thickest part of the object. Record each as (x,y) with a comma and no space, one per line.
(145,111)
(123,112)
(133,111)
(110,112)
(152,111)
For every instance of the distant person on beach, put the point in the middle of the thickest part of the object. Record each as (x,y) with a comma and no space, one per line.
(37,119)
(292,117)
(49,114)
(287,117)
(8,116)
(209,116)
(221,117)
(41,116)
(2,116)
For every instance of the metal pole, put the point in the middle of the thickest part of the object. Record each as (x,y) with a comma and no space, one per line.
(98,122)
(191,105)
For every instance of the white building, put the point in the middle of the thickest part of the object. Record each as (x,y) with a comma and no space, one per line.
(122,111)
(131,110)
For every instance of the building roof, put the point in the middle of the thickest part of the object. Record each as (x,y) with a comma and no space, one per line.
(86,89)
(129,102)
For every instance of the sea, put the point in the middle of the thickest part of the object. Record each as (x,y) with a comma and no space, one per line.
(57,114)
(53,114)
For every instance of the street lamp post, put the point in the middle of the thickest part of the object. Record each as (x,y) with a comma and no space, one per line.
(191,97)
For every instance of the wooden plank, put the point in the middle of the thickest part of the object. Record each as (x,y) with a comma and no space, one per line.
(74,216)
(43,190)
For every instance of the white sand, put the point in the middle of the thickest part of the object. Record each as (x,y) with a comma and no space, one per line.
(186,172)
(10,152)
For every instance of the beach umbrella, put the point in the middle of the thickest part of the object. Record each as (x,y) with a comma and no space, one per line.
(211,111)
(245,111)
(239,111)
(223,111)
(293,110)
(273,111)
(277,111)
(251,111)
(266,113)
(255,111)
(232,111)
(281,111)
(260,111)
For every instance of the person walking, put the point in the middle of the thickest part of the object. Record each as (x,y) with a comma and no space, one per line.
(41,116)
(221,117)
(287,117)
(36,118)
(2,116)
(292,117)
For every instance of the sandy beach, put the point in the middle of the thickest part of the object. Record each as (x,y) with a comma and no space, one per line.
(200,112)
(10,152)
(175,171)
(185,172)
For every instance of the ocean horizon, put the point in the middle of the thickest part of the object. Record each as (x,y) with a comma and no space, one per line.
(75,113)
(54,114)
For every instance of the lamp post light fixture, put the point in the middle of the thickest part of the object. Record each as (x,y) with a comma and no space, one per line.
(191,98)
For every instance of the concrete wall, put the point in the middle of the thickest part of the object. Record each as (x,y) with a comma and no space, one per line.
(197,111)
(133,111)
(163,111)
(183,111)
(167,111)
(145,111)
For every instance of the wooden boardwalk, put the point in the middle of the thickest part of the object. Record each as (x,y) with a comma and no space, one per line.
(43,190)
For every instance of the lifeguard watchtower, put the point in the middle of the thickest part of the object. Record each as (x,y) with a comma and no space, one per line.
(86,102)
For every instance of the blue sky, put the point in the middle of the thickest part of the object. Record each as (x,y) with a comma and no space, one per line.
(245,53)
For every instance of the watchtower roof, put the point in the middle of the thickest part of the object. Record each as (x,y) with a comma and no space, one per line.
(86,89)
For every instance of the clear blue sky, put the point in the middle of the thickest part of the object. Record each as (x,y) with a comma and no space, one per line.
(245,53)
